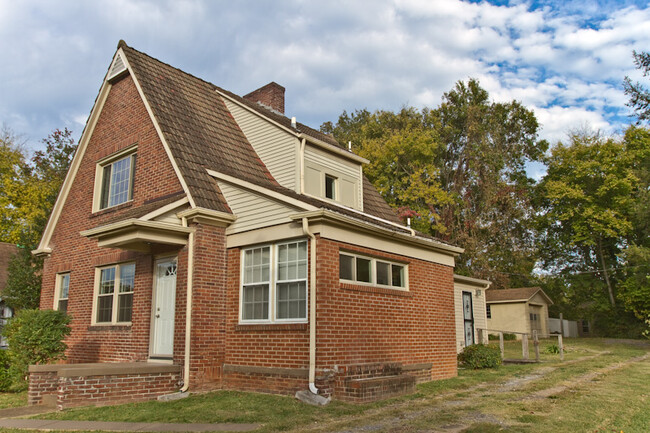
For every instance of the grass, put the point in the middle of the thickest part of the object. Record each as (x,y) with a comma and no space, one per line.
(477,400)
(13,399)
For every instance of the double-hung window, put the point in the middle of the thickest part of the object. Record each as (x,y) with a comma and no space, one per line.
(274,283)
(114,299)
(357,268)
(117,177)
(61,292)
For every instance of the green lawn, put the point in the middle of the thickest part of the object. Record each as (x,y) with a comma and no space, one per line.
(479,401)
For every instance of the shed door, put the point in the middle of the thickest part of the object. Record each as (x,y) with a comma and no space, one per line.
(468,318)
(164,311)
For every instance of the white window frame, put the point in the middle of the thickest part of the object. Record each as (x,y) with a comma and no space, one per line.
(335,187)
(273,283)
(116,293)
(129,152)
(373,271)
(58,286)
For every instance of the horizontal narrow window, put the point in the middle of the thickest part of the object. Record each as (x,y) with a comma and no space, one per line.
(368,270)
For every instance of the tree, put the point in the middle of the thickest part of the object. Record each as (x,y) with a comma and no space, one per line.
(461,169)
(29,192)
(639,95)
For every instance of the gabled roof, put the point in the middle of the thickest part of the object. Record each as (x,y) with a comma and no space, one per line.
(522,294)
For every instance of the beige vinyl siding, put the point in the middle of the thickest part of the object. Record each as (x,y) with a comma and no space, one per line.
(169,217)
(480,320)
(253,210)
(277,149)
(509,317)
(318,163)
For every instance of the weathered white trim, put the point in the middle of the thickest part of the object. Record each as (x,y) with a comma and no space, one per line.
(208,216)
(261,190)
(474,282)
(134,234)
(158,130)
(326,215)
(86,134)
(163,210)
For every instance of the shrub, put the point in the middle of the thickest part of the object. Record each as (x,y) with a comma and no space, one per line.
(552,349)
(5,375)
(506,337)
(480,356)
(36,337)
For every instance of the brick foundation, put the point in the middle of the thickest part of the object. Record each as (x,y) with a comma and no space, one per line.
(76,385)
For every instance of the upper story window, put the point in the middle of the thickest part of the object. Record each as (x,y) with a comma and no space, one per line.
(369,270)
(114,179)
(330,187)
(274,283)
(114,293)
(61,292)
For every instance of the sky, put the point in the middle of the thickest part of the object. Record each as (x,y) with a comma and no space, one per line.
(564,60)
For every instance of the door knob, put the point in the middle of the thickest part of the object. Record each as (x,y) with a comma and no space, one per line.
(157,316)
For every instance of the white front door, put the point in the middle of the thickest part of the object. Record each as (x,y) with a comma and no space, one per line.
(164,309)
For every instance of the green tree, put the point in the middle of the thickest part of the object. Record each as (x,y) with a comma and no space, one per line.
(459,167)
(25,205)
(639,94)
(586,202)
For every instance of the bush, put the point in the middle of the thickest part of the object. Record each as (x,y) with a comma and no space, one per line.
(506,337)
(479,356)
(552,349)
(5,375)
(36,337)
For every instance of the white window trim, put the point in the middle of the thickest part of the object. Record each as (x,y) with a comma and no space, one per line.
(57,289)
(273,278)
(99,175)
(373,271)
(116,291)
(336,187)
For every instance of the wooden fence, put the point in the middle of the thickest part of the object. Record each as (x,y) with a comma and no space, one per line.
(524,342)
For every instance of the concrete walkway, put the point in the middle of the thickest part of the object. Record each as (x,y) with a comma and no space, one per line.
(44,424)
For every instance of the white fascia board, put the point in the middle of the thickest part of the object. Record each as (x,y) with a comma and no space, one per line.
(86,134)
(133,222)
(261,190)
(485,284)
(323,214)
(163,210)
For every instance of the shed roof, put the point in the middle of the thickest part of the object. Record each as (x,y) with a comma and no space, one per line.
(522,294)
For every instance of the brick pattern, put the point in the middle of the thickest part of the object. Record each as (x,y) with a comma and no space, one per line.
(123,122)
(271,95)
(99,390)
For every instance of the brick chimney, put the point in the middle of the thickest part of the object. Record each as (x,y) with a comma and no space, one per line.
(271,95)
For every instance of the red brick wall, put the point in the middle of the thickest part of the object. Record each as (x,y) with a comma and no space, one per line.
(355,325)
(123,122)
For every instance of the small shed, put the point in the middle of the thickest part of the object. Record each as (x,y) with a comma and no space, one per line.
(469,300)
(521,310)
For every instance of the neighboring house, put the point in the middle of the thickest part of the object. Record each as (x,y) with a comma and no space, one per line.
(469,299)
(209,237)
(521,310)
(7,251)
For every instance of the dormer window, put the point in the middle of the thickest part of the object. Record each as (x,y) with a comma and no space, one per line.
(114,181)
(330,187)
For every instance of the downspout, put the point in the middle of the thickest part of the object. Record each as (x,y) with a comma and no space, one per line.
(302,165)
(312,307)
(188,308)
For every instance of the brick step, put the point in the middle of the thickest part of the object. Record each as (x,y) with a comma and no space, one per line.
(373,388)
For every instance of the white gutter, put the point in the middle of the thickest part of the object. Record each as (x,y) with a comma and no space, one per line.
(312,307)
(303,143)
(188,308)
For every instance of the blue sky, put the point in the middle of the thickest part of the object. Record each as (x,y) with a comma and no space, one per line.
(565,61)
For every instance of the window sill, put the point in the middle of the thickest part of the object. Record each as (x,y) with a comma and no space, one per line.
(109,327)
(243,327)
(126,204)
(374,289)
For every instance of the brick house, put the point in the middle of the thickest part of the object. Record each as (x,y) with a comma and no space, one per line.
(203,240)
